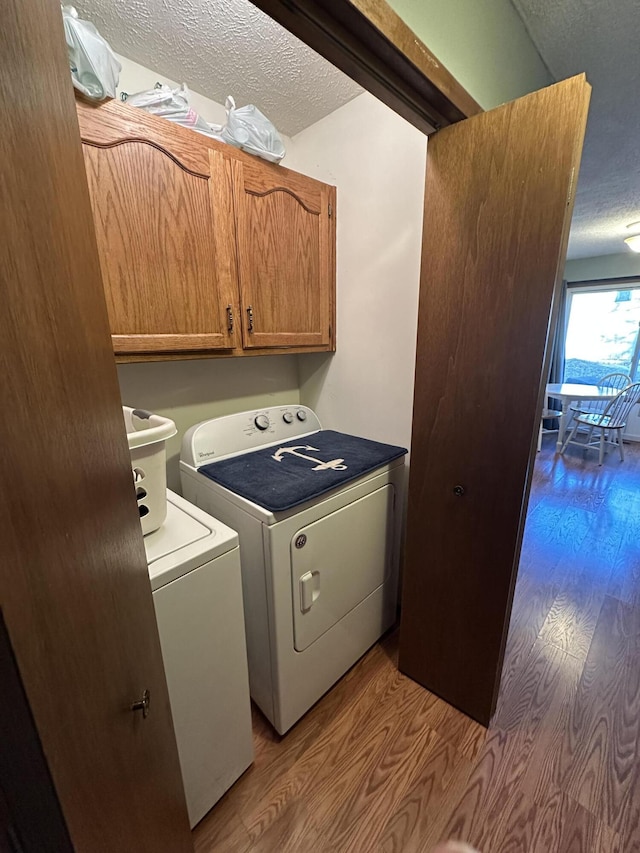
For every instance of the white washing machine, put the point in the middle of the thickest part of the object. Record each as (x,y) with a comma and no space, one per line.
(318,519)
(194,566)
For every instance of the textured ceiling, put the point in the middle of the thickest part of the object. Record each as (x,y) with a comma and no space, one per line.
(599,37)
(225,47)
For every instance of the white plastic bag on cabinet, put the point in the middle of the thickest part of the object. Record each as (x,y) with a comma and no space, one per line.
(247,128)
(172,104)
(94,68)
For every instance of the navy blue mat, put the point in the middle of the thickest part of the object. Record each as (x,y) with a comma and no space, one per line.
(278,478)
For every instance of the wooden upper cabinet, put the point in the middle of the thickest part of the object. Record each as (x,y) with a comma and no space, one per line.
(162,216)
(198,240)
(285,236)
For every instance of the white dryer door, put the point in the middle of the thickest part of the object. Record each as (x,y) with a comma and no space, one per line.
(338,561)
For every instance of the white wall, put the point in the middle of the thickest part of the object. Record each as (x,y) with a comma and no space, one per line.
(377,161)
(137,78)
(483,43)
(603,266)
(193,390)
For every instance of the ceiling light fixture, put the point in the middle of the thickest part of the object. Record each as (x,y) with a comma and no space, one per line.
(633,242)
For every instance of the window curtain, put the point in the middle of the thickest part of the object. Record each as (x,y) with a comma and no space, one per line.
(556,373)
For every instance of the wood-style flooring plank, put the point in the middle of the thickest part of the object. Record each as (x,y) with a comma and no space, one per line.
(572,618)
(361,726)
(553,811)
(226,834)
(597,760)
(358,821)
(583,832)
(419,816)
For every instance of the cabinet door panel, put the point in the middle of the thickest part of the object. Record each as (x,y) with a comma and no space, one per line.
(499,192)
(285,237)
(168,271)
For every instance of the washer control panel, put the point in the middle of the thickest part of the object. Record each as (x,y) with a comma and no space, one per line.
(230,435)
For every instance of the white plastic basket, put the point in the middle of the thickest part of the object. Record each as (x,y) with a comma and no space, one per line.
(147,434)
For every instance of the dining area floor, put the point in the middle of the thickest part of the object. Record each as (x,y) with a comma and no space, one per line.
(380,765)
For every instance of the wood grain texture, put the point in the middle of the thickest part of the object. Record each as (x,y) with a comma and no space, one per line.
(368,41)
(177,249)
(112,123)
(235,353)
(165,244)
(380,765)
(74,584)
(285,237)
(498,200)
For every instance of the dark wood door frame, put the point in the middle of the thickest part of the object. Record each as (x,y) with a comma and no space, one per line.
(371,43)
(75,595)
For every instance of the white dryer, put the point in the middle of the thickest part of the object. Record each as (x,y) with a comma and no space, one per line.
(318,519)
(194,566)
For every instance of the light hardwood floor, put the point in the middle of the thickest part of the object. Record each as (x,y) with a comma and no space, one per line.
(381,765)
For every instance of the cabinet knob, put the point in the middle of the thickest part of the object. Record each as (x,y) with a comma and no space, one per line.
(458,491)
(250,315)
(142,704)
(229,318)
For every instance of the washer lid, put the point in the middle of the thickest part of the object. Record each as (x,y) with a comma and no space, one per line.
(187,539)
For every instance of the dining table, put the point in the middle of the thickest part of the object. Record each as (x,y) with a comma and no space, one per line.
(574,392)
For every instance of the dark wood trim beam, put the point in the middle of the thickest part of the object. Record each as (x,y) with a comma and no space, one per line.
(594,282)
(368,41)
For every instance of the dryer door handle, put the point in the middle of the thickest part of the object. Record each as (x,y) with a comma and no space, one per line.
(309,590)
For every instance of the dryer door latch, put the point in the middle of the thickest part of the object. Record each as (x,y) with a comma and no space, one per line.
(309,590)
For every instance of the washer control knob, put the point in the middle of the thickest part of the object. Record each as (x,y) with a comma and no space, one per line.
(301,414)
(287,418)
(262,422)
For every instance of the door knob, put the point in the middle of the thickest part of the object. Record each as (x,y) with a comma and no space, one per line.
(142,704)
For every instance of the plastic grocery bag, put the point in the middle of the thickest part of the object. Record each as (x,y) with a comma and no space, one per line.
(172,104)
(94,68)
(249,129)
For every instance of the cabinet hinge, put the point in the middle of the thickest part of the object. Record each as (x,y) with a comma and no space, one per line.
(330,210)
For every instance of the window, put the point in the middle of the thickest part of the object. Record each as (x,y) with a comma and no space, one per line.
(602,331)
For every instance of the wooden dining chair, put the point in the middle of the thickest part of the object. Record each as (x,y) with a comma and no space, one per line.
(607,425)
(547,414)
(616,380)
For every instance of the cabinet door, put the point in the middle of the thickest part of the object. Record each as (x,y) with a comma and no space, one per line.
(286,256)
(499,189)
(164,226)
